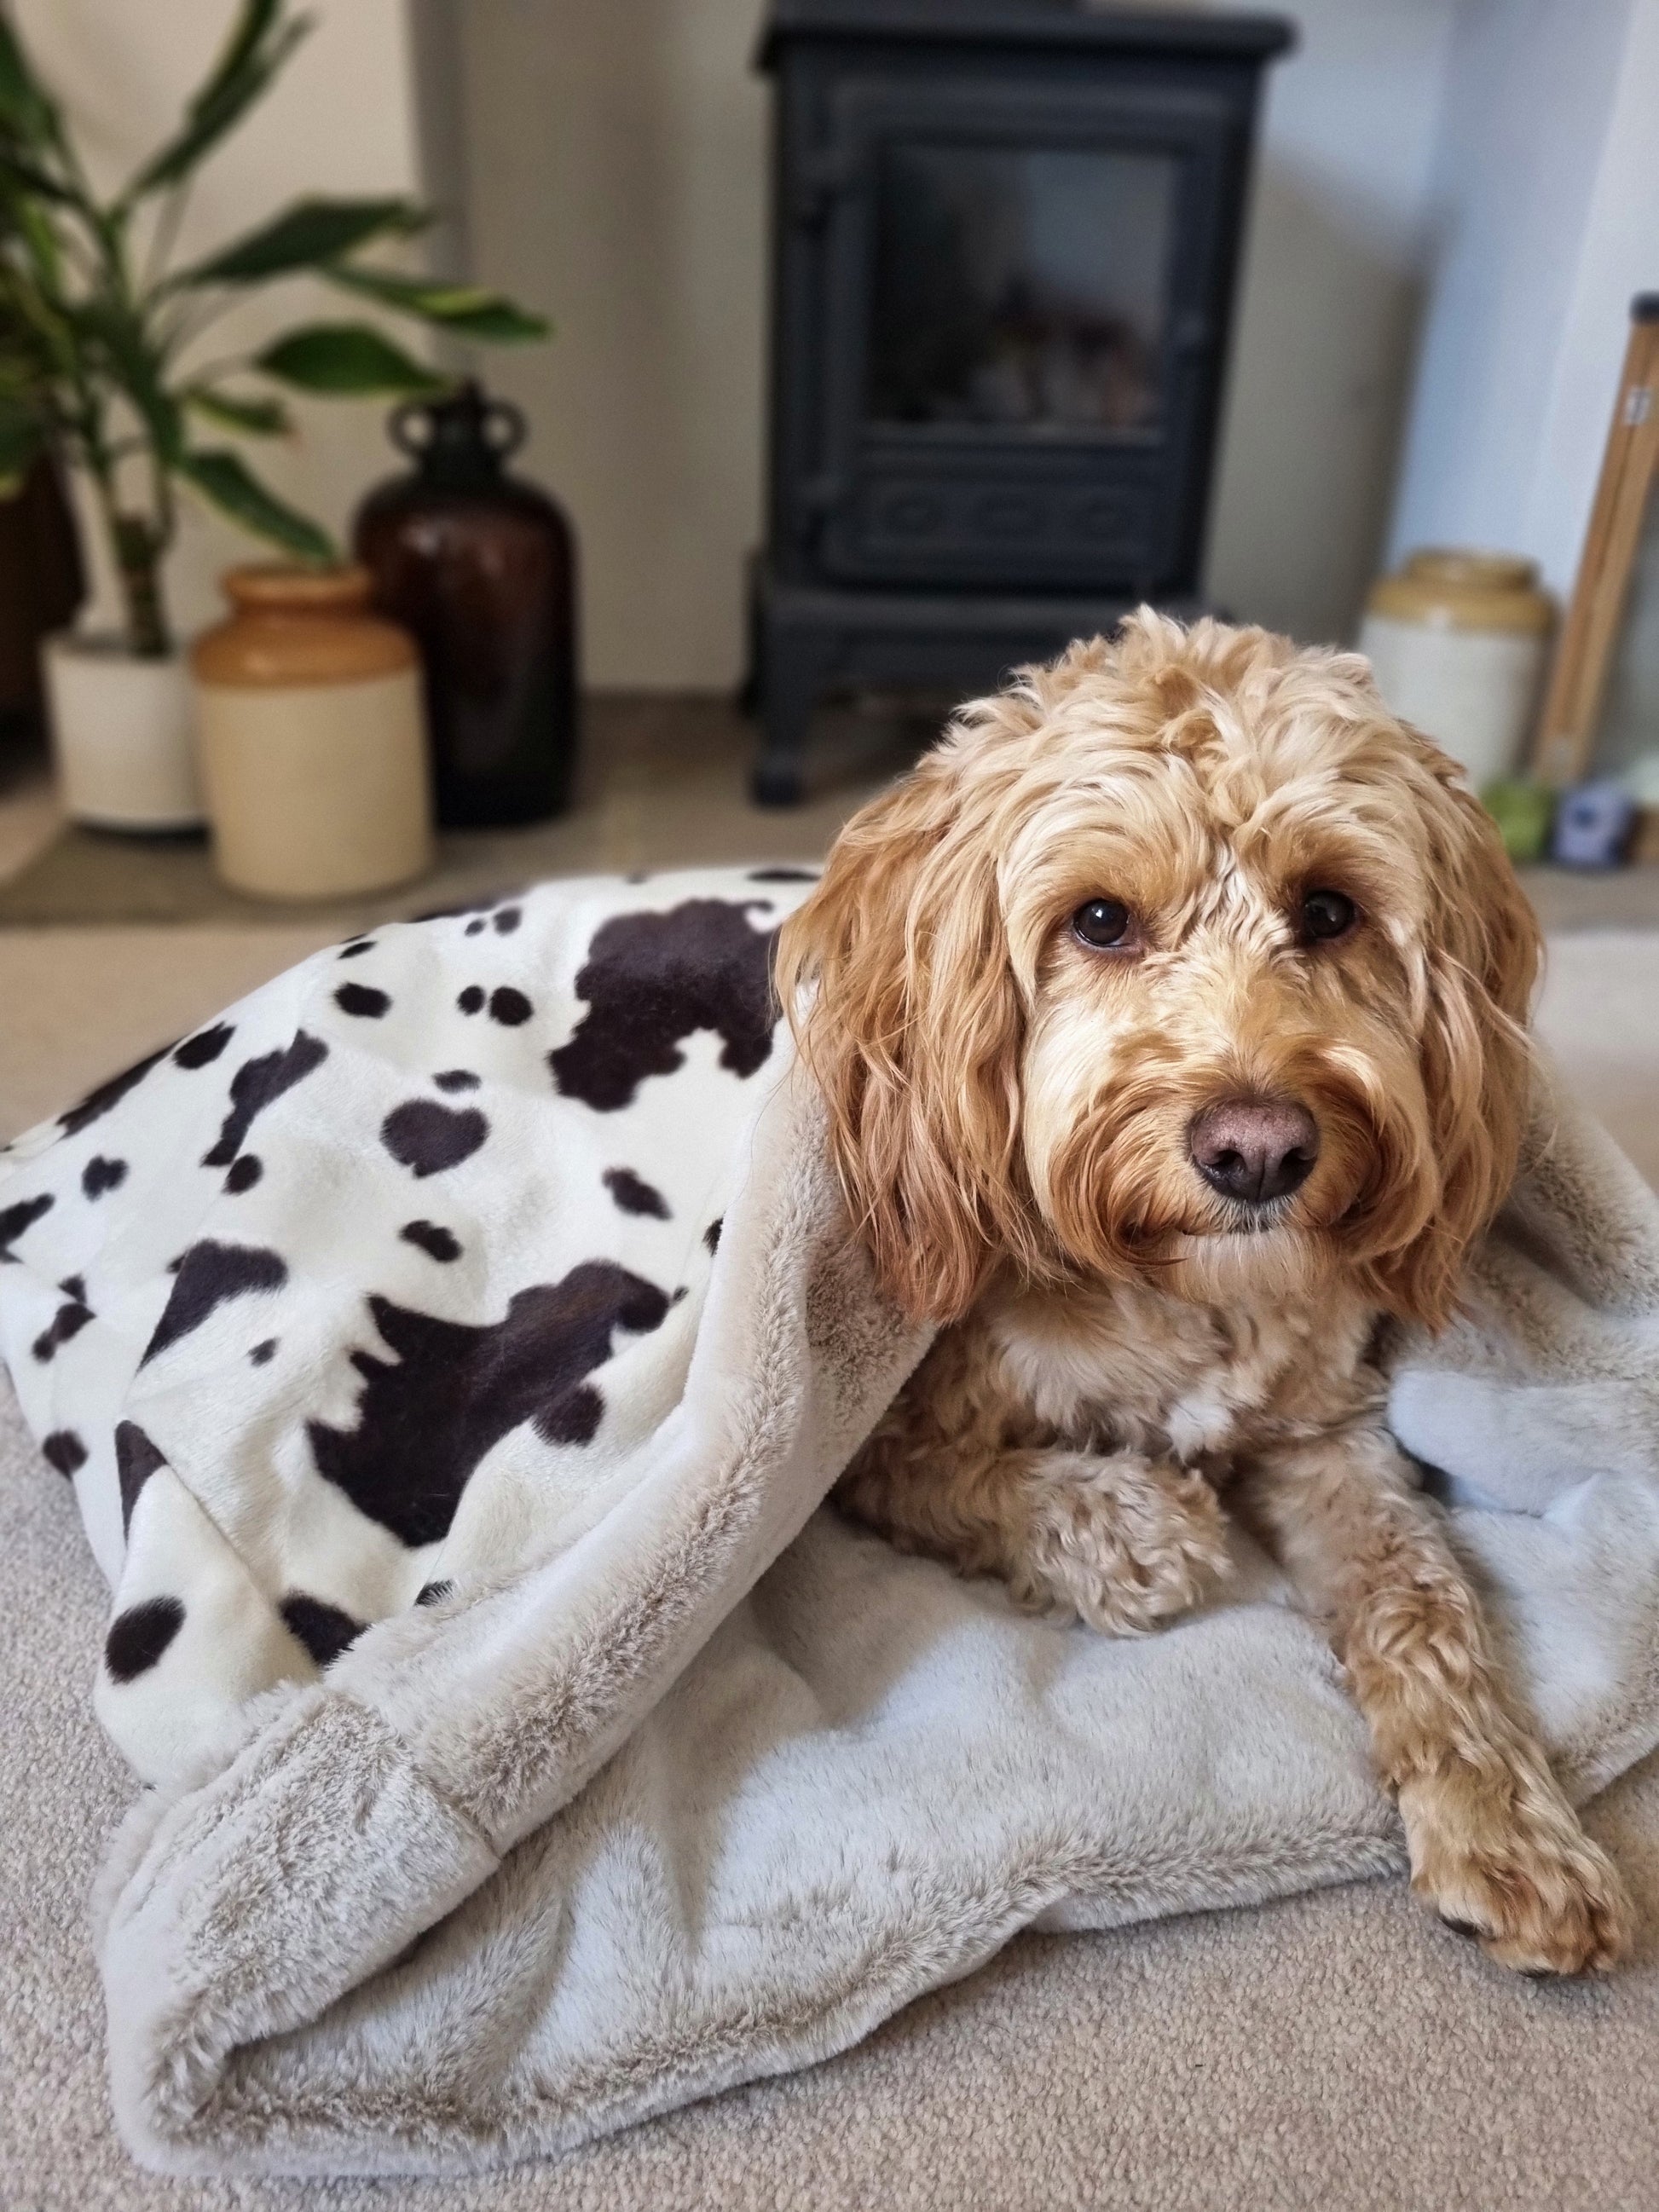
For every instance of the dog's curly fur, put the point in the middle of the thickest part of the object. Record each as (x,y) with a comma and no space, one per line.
(1121,1344)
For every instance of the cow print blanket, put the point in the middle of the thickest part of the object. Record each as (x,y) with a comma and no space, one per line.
(449,1346)
(363,1289)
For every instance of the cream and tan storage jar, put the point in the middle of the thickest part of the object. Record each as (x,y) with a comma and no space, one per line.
(1458,642)
(312,745)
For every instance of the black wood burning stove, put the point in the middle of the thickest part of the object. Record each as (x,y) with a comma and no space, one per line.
(1006,235)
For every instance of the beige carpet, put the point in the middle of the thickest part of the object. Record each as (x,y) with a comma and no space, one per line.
(1341,2052)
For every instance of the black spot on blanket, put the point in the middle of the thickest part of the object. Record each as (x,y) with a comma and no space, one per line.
(428,1138)
(471,1000)
(205,1047)
(242,1174)
(357,946)
(634,1194)
(323,1629)
(509,1007)
(65,1450)
(98,1103)
(264,1352)
(711,1236)
(138,1637)
(437,1242)
(258,1084)
(136,1460)
(15,1219)
(456,1078)
(209,1274)
(451,1391)
(650,980)
(66,1323)
(783,875)
(100,1175)
(433,1593)
(362,1000)
(505,920)
(575,1419)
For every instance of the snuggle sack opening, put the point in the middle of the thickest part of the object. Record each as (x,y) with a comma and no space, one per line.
(450,1347)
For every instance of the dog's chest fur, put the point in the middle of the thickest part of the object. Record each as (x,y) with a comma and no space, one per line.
(1127,1367)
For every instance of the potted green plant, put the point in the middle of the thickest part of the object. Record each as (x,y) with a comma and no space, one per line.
(101,366)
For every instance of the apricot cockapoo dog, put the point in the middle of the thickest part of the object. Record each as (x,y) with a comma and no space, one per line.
(1170,1016)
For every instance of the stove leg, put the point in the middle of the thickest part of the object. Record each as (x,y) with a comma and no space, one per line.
(792,682)
(775,782)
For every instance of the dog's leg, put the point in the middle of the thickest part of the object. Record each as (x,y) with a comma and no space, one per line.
(1494,1844)
(1120,1541)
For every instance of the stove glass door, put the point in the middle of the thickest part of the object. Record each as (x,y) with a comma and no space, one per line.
(1025,289)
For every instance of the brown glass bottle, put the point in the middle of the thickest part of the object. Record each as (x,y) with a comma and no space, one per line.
(482,568)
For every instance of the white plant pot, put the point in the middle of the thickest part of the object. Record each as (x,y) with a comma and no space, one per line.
(123,735)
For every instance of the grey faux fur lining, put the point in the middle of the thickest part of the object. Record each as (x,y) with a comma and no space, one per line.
(526,1867)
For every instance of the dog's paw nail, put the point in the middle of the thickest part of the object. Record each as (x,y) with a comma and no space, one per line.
(1460,1927)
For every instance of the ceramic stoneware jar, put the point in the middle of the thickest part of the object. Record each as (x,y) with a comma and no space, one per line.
(1457,642)
(313,748)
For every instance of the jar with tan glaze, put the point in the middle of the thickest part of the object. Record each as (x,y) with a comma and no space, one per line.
(312,744)
(1458,641)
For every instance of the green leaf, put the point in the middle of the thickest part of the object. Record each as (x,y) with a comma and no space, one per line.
(29,178)
(115,341)
(28,366)
(463,309)
(35,235)
(23,437)
(247,33)
(227,484)
(257,419)
(27,115)
(36,339)
(257,47)
(309,232)
(346,358)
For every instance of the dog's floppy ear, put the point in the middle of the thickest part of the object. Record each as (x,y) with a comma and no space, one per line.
(894,974)
(1481,963)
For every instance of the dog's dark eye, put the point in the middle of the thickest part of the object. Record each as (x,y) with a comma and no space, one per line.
(1102,922)
(1326,914)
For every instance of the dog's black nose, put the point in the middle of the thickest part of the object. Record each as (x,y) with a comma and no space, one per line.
(1255,1148)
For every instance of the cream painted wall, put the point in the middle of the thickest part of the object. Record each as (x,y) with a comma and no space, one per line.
(1337,261)
(616,166)
(1548,197)
(341,119)
(615,173)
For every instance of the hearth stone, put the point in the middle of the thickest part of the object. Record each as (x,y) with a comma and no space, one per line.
(1005,240)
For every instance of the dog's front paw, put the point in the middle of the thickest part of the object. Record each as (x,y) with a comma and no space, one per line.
(1517,1872)
(1126,1544)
